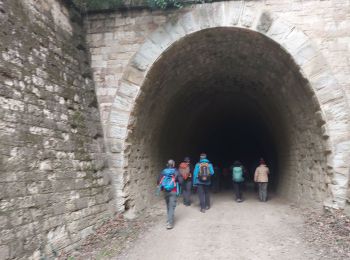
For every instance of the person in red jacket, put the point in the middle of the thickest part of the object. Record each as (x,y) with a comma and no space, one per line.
(186,170)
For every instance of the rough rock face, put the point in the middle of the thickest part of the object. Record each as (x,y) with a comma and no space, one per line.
(54,185)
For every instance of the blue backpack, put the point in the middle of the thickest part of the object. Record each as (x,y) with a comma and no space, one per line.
(237,174)
(168,182)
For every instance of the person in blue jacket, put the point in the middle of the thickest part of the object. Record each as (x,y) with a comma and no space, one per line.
(201,178)
(169,181)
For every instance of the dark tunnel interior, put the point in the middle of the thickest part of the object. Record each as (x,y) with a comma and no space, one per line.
(230,128)
(235,95)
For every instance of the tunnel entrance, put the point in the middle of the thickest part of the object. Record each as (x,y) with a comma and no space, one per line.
(234,94)
(229,127)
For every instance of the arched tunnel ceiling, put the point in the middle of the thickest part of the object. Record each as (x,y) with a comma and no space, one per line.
(247,66)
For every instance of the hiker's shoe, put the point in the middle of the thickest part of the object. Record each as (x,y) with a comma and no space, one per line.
(169,226)
(202,210)
(239,200)
(207,207)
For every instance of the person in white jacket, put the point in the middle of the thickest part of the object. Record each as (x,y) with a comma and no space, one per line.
(261,177)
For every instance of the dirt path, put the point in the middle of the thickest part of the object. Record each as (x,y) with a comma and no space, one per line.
(229,230)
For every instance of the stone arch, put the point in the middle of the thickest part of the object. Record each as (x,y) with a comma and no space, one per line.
(326,93)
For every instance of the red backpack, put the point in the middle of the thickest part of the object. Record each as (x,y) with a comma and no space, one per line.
(184,169)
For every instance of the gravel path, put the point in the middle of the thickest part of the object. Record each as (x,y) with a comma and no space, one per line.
(229,230)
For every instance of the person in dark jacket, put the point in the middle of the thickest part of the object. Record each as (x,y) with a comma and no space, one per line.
(186,171)
(169,182)
(200,183)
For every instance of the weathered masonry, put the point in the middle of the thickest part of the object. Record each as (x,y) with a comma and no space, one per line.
(91,107)
(54,184)
(167,82)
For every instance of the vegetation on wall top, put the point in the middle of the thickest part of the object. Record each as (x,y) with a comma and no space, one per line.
(103,5)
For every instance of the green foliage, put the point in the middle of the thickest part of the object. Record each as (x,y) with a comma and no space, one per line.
(96,5)
(92,5)
(163,4)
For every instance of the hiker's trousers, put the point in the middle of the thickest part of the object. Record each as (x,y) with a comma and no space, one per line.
(238,189)
(170,200)
(262,191)
(204,198)
(186,191)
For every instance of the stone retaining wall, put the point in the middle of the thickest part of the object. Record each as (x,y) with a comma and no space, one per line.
(54,186)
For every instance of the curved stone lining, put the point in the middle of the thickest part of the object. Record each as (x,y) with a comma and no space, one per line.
(330,96)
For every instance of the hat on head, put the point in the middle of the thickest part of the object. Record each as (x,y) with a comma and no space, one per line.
(237,163)
(170,163)
(203,156)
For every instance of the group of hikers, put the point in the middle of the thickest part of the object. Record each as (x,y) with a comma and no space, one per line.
(173,181)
